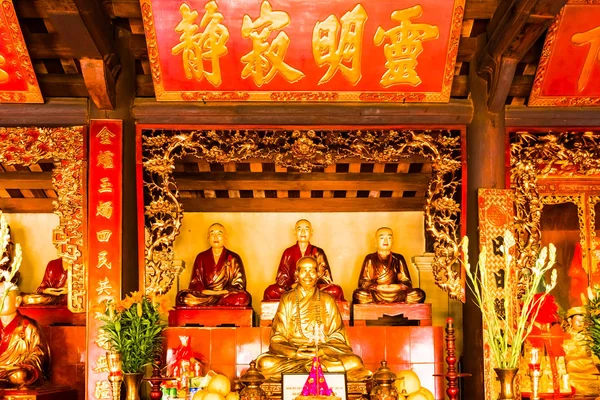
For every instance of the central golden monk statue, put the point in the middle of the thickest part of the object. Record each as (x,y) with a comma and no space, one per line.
(384,277)
(292,346)
(285,279)
(218,277)
(24,353)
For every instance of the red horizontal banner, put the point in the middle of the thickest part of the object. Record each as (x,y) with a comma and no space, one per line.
(568,73)
(282,50)
(18,83)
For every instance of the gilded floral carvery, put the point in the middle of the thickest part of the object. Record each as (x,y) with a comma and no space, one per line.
(65,146)
(303,150)
(534,156)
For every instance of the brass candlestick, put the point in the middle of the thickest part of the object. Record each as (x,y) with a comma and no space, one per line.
(536,374)
(115,373)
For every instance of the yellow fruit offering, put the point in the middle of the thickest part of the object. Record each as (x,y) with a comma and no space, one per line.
(417,396)
(213,396)
(199,395)
(219,384)
(427,393)
(233,396)
(407,382)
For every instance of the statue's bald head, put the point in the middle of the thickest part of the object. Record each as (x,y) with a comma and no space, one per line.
(384,239)
(307,272)
(217,235)
(303,231)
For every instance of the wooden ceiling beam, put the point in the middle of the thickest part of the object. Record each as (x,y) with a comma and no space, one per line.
(298,181)
(56,85)
(304,204)
(456,112)
(552,117)
(88,31)
(511,33)
(410,159)
(26,180)
(27,205)
(54,112)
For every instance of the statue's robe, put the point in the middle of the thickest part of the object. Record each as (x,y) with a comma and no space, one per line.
(292,327)
(287,268)
(580,365)
(390,270)
(24,352)
(227,274)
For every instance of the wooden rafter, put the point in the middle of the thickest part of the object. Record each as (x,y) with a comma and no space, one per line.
(84,26)
(26,180)
(515,27)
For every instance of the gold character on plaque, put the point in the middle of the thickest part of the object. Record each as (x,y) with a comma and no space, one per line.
(406,43)
(103,235)
(101,365)
(103,390)
(105,160)
(103,260)
(199,46)
(105,186)
(593,38)
(340,48)
(3,74)
(105,136)
(104,209)
(266,59)
(104,287)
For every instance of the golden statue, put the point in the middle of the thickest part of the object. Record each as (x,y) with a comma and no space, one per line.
(53,289)
(24,352)
(285,279)
(580,366)
(302,312)
(384,277)
(218,277)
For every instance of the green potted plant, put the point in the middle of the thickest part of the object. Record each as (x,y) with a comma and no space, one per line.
(592,323)
(133,329)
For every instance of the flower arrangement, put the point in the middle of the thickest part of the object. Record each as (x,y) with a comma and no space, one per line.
(592,320)
(133,327)
(508,325)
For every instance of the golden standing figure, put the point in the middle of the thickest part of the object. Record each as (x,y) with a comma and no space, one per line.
(291,348)
(218,277)
(24,352)
(384,277)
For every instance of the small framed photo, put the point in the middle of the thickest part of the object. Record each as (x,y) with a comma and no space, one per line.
(292,384)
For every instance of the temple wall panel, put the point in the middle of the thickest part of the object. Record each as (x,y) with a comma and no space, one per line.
(261,238)
(34,233)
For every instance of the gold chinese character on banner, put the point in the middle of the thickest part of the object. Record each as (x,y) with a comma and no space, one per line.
(406,43)
(105,160)
(206,45)
(104,287)
(104,235)
(593,38)
(103,260)
(105,136)
(3,74)
(105,186)
(266,59)
(104,209)
(336,47)
(103,390)
(101,365)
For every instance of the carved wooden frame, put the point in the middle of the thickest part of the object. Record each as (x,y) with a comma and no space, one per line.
(303,149)
(26,146)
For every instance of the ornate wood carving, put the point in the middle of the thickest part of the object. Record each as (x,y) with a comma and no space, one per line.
(26,146)
(304,150)
(535,156)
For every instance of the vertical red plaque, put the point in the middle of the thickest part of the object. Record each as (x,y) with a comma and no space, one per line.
(104,255)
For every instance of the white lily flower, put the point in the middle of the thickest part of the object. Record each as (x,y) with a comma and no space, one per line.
(590,294)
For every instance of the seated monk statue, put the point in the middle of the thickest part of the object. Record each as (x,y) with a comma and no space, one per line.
(578,357)
(285,279)
(24,352)
(302,312)
(218,277)
(384,277)
(53,289)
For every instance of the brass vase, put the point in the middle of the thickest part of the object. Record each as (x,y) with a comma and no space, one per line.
(132,381)
(506,376)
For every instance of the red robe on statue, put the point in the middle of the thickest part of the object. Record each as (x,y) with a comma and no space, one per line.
(227,274)
(287,268)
